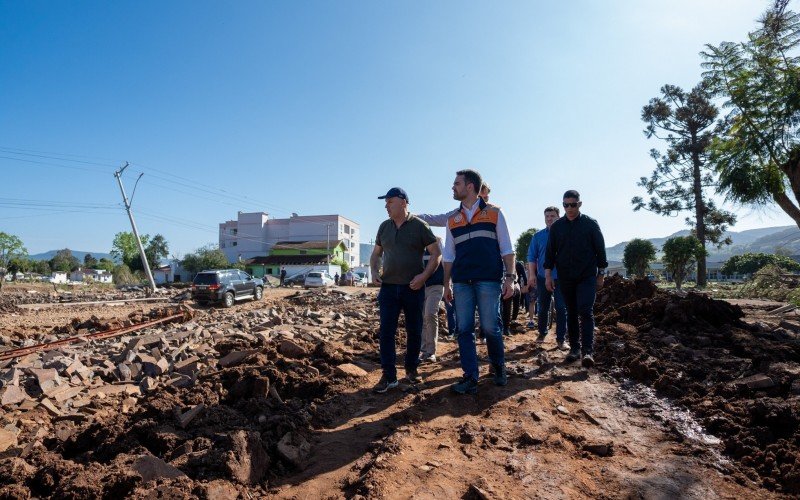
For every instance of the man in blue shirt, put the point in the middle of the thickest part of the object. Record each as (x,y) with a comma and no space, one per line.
(536,273)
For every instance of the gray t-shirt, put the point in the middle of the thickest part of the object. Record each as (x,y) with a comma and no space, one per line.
(403,248)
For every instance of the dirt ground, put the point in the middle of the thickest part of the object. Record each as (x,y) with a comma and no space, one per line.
(678,406)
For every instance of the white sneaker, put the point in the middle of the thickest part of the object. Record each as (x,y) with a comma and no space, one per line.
(428,359)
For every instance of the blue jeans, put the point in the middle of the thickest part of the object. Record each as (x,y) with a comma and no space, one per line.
(544,296)
(579,296)
(485,295)
(393,299)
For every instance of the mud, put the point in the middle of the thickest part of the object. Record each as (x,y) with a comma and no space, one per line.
(742,383)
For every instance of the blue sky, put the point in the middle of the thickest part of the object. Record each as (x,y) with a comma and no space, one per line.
(319,107)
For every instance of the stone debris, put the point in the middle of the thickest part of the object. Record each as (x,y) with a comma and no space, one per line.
(350,370)
(228,396)
(755,382)
(185,418)
(151,468)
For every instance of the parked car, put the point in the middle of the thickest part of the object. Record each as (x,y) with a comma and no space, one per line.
(225,286)
(318,279)
(296,280)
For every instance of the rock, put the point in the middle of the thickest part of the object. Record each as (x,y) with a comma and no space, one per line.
(755,382)
(7,439)
(12,395)
(234,358)
(248,462)
(9,377)
(47,378)
(124,371)
(185,418)
(148,384)
(294,448)
(350,370)
(562,410)
(292,350)
(187,366)
(50,407)
(150,468)
(219,489)
(599,449)
(526,439)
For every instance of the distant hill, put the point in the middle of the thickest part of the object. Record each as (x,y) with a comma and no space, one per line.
(77,253)
(765,240)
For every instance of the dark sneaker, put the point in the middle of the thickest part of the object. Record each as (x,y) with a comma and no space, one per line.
(573,356)
(530,325)
(500,375)
(506,331)
(563,346)
(413,376)
(384,385)
(540,338)
(587,361)
(468,385)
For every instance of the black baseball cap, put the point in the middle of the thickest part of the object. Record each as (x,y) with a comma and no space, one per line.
(395,192)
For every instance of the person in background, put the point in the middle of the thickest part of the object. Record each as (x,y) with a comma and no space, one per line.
(577,250)
(536,257)
(434,291)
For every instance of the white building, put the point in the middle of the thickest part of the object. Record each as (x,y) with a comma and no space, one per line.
(252,234)
(58,277)
(93,275)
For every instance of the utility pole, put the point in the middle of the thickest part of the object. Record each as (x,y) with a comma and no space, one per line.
(118,175)
(328,246)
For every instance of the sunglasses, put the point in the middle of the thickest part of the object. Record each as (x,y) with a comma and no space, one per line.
(571,205)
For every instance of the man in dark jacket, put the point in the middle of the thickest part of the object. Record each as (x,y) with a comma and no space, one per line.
(577,249)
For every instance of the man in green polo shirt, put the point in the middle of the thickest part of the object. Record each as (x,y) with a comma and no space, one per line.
(401,241)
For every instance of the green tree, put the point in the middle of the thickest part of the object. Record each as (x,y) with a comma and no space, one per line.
(208,257)
(680,255)
(522,244)
(757,152)
(340,262)
(11,247)
(64,261)
(156,249)
(41,267)
(124,248)
(637,256)
(89,261)
(18,264)
(683,176)
(749,263)
(106,264)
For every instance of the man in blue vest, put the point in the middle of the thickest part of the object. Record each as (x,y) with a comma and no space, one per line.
(477,251)
(536,256)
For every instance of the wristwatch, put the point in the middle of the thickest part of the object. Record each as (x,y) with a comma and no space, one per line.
(511,275)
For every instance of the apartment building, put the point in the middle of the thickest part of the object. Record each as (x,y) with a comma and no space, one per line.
(253,234)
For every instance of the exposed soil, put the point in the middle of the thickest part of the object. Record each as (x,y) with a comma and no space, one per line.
(739,379)
(288,420)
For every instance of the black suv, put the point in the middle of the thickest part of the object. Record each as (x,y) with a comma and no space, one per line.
(225,286)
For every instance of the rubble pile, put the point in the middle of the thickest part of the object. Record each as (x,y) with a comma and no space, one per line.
(741,380)
(223,402)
